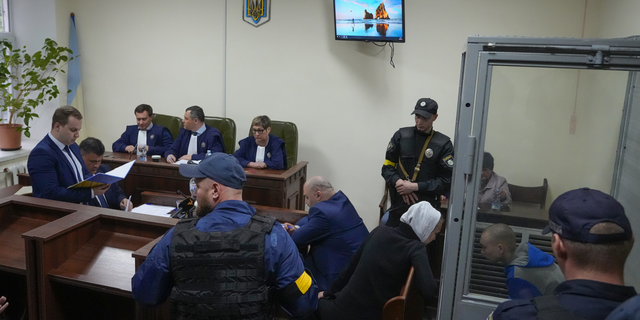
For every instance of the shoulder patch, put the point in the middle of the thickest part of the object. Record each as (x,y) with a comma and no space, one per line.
(390,146)
(448,160)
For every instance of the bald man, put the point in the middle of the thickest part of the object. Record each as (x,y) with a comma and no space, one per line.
(334,231)
(530,272)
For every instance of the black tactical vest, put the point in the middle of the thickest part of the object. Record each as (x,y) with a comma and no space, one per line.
(220,275)
(410,153)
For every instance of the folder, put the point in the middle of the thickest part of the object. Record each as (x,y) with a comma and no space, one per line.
(100,179)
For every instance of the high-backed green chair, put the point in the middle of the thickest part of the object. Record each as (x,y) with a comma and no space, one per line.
(227,128)
(170,122)
(288,132)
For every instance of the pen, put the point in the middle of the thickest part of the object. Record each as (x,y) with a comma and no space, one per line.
(135,149)
(128,202)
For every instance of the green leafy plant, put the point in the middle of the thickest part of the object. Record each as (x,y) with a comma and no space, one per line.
(28,80)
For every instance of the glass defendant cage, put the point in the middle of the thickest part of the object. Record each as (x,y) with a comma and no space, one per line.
(556,114)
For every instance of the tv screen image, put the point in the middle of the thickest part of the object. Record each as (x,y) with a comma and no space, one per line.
(369,20)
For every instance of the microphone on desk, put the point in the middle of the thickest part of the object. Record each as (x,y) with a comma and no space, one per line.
(181,193)
(185,208)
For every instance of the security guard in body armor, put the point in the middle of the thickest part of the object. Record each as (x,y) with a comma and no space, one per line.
(228,263)
(418,164)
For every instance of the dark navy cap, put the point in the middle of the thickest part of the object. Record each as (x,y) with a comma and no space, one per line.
(426,107)
(574,213)
(220,167)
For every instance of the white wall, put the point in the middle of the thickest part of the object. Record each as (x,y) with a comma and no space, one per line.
(32,22)
(344,96)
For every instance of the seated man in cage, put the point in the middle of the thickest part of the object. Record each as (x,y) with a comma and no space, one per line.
(530,272)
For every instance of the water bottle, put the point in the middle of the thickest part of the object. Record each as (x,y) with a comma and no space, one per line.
(495,205)
(208,153)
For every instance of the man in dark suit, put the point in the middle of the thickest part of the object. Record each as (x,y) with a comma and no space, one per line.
(334,231)
(55,163)
(92,151)
(195,139)
(156,138)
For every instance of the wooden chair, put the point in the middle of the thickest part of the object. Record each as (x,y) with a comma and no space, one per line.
(530,194)
(409,305)
(383,202)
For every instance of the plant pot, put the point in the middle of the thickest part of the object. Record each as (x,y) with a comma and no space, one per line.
(10,139)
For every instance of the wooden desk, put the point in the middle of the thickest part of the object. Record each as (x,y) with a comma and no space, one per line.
(9,191)
(83,262)
(20,214)
(273,188)
(282,215)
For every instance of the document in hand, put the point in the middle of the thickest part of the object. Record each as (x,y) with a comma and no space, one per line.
(110,177)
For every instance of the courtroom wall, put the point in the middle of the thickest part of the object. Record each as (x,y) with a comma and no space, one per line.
(344,96)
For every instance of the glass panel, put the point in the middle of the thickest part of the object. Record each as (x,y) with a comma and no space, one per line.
(558,125)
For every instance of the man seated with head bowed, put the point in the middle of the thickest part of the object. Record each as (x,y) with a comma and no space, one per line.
(92,151)
(155,138)
(229,263)
(55,163)
(379,269)
(591,238)
(195,139)
(263,150)
(490,182)
(530,271)
(334,230)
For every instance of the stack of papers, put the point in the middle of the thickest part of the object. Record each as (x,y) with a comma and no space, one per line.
(154,210)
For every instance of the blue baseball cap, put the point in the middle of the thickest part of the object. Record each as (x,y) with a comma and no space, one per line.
(575,212)
(220,167)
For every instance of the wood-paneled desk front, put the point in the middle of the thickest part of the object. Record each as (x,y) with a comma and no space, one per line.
(70,261)
(273,188)
(19,214)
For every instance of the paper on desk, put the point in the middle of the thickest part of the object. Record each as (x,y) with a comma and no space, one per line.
(24,190)
(186,162)
(153,210)
(110,177)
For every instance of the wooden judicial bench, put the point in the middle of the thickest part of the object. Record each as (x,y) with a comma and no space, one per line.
(273,188)
(68,261)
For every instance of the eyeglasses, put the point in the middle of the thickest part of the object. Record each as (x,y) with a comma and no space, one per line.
(257,131)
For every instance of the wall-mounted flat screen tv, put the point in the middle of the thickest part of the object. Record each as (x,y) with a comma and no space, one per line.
(369,20)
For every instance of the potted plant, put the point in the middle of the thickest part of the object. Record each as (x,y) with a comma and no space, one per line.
(27,80)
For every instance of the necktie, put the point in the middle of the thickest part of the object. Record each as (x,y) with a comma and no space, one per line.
(102,200)
(76,170)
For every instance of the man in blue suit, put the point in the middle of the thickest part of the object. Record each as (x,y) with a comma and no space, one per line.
(92,151)
(195,139)
(263,150)
(334,231)
(55,163)
(156,138)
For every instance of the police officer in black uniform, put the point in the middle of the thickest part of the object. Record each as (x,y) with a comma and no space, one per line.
(419,162)
(591,240)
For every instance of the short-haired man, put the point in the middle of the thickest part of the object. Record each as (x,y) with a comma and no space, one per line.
(55,163)
(334,231)
(228,263)
(263,150)
(530,272)
(419,162)
(156,138)
(92,151)
(195,139)
(591,240)
(490,182)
